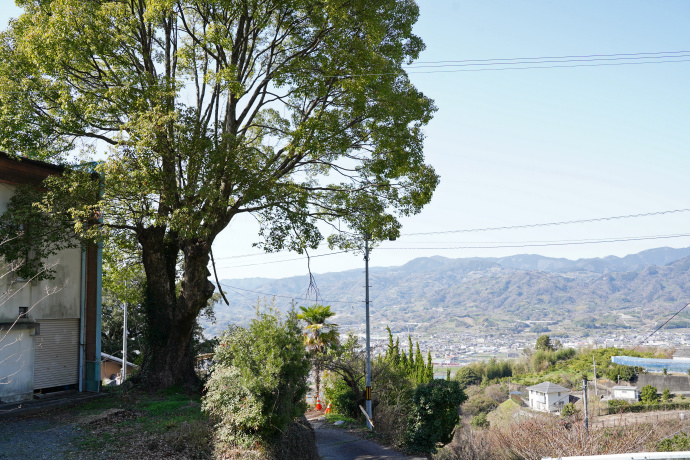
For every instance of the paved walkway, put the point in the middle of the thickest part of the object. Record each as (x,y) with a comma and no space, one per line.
(337,444)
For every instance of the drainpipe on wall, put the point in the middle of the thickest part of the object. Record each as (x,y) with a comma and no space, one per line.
(82,319)
(99,287)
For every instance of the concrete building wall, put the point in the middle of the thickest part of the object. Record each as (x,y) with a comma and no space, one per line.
(672,382)
(548,402)
(64,303)
(16,365)
(630,394)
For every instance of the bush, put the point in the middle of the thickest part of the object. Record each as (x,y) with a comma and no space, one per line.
(434,415)
(467,376)
(679,442)
(666,395)
(342,397)
(259,383)
(480,421)
(568,410)
(648,395)
(617,405)
(478,404)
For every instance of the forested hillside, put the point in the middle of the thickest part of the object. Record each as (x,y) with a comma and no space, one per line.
(501,292)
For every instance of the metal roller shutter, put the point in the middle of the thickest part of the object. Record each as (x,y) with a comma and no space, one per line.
(56,356)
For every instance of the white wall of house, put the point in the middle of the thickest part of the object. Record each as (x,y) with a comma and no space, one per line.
(629,394)
(16,365)
(548,402)
(56,301)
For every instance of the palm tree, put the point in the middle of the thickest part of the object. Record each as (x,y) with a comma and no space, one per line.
(319,335)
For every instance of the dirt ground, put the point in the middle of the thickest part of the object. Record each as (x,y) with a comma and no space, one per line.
(109,428)
(640,417)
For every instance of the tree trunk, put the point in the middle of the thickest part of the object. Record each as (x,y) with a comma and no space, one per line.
(170,318)
(317,371)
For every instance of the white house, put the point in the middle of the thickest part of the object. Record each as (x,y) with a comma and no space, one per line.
(50,330)
(548,397)
(628,393)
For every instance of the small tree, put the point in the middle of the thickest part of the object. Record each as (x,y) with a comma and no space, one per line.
(649,395)
(544,343)
(664,371)
(319,336)
(434,415)
(259,382)
(568,410)
(480,421)
(666,395)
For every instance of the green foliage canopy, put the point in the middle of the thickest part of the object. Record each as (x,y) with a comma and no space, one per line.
(544,343)
(295,112)
(648,395)
(259,382)
(434,414)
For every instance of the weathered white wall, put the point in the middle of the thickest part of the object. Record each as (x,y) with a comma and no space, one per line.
(65,303)
(16,365)
(625,394)
(59,298)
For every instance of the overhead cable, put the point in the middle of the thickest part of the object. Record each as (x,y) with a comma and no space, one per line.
(665,323)
(552,243)
(549,224)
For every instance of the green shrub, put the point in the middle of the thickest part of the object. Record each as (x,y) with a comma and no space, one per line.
(480,421)
(434,415)
(342,398)
(648,395)
(617,405)
(467,376)
(259,383)
(679,442)
(666,395)
(478,404)
(568,410)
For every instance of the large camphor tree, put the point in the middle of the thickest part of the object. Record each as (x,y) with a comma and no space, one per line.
(298,112)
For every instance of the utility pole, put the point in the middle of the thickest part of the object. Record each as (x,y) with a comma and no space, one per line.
(584,395)
(594,363)
(366,286)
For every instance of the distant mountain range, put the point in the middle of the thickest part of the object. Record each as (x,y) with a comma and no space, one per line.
(438,294)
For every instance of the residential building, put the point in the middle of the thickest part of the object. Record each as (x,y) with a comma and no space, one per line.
(50,330)
(548,397)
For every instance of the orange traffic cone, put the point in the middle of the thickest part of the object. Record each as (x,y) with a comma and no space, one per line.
(318,403)
(328,408)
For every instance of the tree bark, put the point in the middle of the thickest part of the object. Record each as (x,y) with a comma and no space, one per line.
(171,317)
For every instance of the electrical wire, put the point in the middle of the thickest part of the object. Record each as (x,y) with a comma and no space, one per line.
(478,246)
(383,74)
(665,323)
(654,53)
(555,243)
(550,224)
(281,296)
(542,61)
(284,260)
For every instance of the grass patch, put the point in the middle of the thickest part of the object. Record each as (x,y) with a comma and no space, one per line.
(349,422)
(154,426)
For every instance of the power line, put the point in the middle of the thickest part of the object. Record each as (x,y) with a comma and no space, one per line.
(548,224)
(490,69)
(283,296)
(283,260)
(554,243)
(665,323)
(541,61)
(484,246)
(655,53)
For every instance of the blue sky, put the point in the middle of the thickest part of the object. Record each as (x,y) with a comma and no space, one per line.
(519,147)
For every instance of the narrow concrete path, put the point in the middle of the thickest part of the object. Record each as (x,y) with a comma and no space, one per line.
(338,444)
